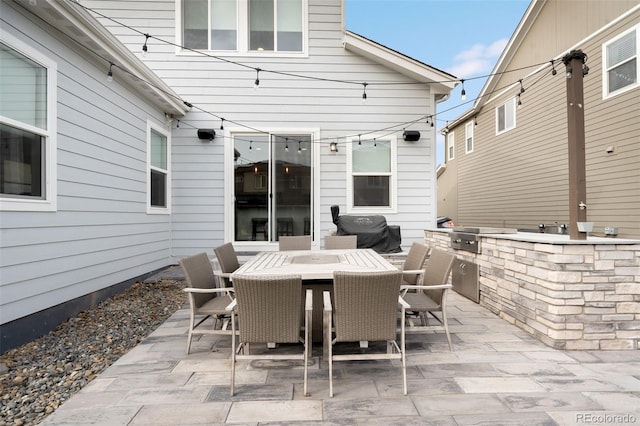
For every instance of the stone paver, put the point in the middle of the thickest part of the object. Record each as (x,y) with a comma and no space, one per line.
(497,375)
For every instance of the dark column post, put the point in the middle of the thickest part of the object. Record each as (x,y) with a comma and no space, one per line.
(576,70)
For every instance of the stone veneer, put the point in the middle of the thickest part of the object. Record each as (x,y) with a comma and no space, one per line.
(570,294)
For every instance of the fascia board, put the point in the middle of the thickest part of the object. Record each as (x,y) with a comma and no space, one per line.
(441,82)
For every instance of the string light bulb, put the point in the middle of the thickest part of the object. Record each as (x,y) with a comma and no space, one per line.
(144,46)
(359,141)
(521,86)
(364,92)
(250,145)
(221,123)
(299,148)
(553,68)
(256,83)
(110,73)
(463,94)
(519,100)
(475,120)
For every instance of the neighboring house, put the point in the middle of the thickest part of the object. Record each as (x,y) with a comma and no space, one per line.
(75,218)
(136,177)
(511,170)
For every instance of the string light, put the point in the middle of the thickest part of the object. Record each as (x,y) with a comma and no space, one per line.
(299,148)
(359,141)
(144,46)
(221,123)
(463,94)
(519,100)
(250,145)
(475,120)
(553,68)
(286,144)
(256,83)
(521,86)
(364,92)
(178,124)
(585,70)
(110,73)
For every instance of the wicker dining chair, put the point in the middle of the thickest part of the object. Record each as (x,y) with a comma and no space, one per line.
(205,298)
(431,295)
(412,267)
(364,309)
(227,260)
(332,242)
(298,242)
(269,310)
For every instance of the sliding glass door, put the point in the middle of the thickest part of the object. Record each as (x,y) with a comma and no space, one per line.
(272,186)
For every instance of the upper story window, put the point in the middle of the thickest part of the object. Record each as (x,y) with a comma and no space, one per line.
(244,26)
(468,133)
(372,167)
(27,128)
(158,158)
(506,116)
(451,145)
(620,63)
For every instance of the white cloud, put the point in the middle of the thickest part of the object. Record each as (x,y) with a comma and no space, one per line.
(478,59)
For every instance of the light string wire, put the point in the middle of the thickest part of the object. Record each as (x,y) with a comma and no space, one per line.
(392,129)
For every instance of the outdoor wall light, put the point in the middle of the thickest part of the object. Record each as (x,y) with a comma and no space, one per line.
(333,147)
(206,134)
(411,135)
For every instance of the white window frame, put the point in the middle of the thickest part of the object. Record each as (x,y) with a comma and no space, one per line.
(605,70)
(159,129)
(509,105)
(393,180)
(50,201)
(242,28)
(468,137)
(451,146)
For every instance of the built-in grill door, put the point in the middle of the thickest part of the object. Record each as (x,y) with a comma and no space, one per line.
(465,279)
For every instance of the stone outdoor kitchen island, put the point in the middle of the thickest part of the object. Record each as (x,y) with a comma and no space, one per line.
(573,295)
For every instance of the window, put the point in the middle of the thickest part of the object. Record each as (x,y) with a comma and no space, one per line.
(451,145)
(27,128)
(244,26)
(158,157)
(372,169)
(468,132)
(620,57)
(506,116)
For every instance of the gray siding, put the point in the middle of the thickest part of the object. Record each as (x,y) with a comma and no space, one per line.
(100,234)
(281,102)
(520,178)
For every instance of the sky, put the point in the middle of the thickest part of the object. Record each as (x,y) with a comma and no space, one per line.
(462,37)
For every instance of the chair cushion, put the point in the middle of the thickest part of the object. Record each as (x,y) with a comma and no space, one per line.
(217,305)
(420,302)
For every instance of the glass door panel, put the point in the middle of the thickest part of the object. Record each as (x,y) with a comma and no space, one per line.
(251,187)
(291,185)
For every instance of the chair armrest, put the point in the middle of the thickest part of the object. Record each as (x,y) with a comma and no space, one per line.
(308,301)
(326,298)
(403,302)
(231,306)
(425,287)
(208,290)
(413,271)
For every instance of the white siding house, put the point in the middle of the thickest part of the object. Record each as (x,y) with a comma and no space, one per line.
(310,94)
(131,187)
(73,166)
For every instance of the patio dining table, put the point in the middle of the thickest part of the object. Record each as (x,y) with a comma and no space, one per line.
(316,268)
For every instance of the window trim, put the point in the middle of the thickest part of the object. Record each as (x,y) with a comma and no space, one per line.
(605,74)
(242,36)
(469,137)
(50,201)
(155,209)
(511,103)
(451,146)
(393,177)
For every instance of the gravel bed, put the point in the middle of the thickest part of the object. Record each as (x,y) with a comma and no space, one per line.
(39,376)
